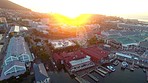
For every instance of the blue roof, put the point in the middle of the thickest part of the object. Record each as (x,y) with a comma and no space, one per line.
(40,72)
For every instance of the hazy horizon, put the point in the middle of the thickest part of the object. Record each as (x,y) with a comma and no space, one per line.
(134,9)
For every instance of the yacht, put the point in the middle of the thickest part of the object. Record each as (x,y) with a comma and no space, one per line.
(111,68)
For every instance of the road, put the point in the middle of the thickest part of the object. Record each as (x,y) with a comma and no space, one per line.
(4,48)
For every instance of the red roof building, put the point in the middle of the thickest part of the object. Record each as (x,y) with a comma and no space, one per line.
(57,58)
(95,53)
(74,61)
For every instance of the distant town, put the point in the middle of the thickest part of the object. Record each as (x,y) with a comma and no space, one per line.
(34,47)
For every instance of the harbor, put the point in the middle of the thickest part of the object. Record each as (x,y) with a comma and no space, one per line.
(102,74)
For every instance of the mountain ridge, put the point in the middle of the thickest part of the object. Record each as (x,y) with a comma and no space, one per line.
(6,4)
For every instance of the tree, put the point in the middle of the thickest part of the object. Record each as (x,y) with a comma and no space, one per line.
(11,34)
(37,40)
(43,56)
(92,41)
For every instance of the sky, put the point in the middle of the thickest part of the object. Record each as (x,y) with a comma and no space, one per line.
(76,7)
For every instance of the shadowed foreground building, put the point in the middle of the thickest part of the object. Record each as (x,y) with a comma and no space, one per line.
(17,58)
(41,75)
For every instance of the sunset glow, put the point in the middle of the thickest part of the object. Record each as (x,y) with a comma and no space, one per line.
(77,21)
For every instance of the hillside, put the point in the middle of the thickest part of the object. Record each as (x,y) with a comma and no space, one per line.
(6,4)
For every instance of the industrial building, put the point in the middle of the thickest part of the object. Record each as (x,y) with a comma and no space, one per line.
(17,58)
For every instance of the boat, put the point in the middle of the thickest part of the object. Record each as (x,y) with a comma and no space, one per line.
(144,70)
(131,69)
(116,62)
(124,64)
(111,68)
(135,66)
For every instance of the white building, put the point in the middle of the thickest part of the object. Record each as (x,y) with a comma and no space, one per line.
(62,44)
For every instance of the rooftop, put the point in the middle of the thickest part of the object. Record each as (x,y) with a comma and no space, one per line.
(17,50)
(14,29)
(15,68)
(72,56)
(40,72)
(95,52)
(144,44)
(62,44)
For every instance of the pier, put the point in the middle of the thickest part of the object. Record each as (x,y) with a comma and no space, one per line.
(105,69)
(132,66)
(93,77)
(104,72)
(81,80)
(99,73)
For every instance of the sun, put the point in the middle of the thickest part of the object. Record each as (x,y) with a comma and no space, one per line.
(71,15)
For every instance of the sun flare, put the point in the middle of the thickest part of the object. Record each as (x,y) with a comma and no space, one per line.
(75,21)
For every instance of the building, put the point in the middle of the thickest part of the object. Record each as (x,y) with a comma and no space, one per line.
(17,58)
(92,29)
(96,53)
(73,61)
(145,55)
(14,29)
(144,45)
(17,29)
(14,68)
(23,28)
(133,27)
(62,44)
(123,39)
(41,75)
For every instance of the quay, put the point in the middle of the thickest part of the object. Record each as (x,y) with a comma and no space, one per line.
(104,72)
(132,66)
(135,62)
(99,73)
(81,80)
(105,69)
(93,77)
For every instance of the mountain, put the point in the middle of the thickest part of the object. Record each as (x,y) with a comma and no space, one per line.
(6,4)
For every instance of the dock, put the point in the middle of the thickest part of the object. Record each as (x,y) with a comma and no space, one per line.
(105,69)
(99,73)
(135,62)
(132,66)
(93,77)
(81,80)
(116,62)
(104,72)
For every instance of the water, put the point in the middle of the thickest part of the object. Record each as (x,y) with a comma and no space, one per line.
(61,77)
(125,76)
(119,76)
